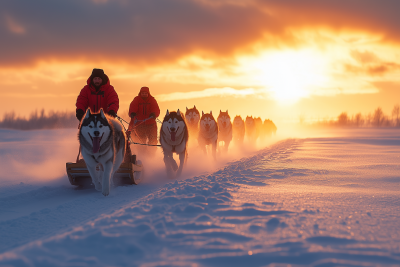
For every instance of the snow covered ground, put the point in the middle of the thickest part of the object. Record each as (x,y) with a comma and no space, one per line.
(329,200)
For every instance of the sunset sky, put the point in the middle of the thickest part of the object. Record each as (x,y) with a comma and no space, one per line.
(275,59)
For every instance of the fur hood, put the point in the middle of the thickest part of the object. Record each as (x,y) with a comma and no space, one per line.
(145,89)
(105,82)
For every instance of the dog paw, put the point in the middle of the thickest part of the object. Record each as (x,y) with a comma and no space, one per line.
(97,186)
(106,192)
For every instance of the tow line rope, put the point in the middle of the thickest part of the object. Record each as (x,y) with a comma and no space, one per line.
(129,138)
(121,119)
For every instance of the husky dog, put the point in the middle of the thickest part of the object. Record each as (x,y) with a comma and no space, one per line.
(174,137)
(192,117)
(251,129)
(225,129)
(238,130)
(259,125)
(102,141)
(208,134)
(269,127)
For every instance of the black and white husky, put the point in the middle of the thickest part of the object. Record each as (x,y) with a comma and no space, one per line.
(208,134)
(102,141)
(225,129)
(174,137)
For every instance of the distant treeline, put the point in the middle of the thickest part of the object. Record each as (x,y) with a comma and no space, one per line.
(40,120)
(374,119)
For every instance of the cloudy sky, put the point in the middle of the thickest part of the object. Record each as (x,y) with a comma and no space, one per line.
(274,59)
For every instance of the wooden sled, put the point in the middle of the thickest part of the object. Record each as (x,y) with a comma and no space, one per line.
(128,173)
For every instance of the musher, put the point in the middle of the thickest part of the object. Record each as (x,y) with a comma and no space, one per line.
(143,111)
(97,94)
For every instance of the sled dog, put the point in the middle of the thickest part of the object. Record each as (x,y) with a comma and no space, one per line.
(259,125)
(238,130)
(102,141)
(251,133)
(208,134)
(269,127)
(174,138)
(192,117)
(225,129)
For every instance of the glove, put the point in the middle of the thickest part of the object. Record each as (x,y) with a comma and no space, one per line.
(152,115)
(112,113)
(79,114)
(133,114)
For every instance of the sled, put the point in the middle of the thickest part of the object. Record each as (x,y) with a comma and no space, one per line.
(128,173)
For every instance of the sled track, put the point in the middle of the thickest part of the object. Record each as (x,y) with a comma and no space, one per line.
(45,211)
(30,213)
(49,210)
(303,202)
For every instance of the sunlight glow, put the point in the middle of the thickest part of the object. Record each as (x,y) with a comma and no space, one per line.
(209,92)
(287,75)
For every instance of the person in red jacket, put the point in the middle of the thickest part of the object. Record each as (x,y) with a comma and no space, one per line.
(97,94)
(143,112)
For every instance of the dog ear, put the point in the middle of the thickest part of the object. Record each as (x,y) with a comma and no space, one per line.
(87,113)
(187,109)
(210,112)
(202,113)
(178,112)
(102,113)
(226,111)
(194,106)
(220,111)
(167,113)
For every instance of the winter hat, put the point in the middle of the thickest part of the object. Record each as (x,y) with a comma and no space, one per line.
(144,89)
(98,73)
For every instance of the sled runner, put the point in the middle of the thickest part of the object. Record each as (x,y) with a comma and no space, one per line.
(128,173)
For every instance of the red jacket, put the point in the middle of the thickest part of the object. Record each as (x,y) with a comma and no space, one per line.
(144,107)
(105,98)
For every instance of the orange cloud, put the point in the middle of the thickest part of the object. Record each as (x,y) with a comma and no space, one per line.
(189,45)
(374,69)
(209,92)
(13,26)
(155,32)
(369,63)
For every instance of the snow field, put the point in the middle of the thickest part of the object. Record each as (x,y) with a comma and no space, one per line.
(331,201)
(36,199)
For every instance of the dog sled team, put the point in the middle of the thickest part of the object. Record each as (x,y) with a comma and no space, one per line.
(218,134)
(105,143)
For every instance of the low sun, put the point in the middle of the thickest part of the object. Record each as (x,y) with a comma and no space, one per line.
(289,75)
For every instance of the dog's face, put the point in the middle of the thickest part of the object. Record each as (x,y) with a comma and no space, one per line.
(223,119)
(238,122)
(207,121)
(192,116)
(249,121)
(95,128)
(173,124)
(267,121)
(258,121)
